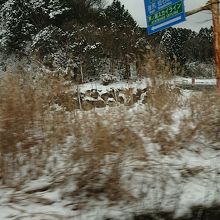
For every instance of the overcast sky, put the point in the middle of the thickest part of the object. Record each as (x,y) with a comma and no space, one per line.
(195,22)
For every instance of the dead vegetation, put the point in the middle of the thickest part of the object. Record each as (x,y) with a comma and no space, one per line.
(24,106)
(37,116)
(101,155)
(155,66)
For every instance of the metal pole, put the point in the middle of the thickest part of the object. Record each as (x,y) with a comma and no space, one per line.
(216,30)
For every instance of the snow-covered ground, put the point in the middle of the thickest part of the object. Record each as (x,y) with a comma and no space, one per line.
(141,84)
(122,85)
(187,177)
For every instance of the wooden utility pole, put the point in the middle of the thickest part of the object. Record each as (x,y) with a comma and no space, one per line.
(216,30)
(213,5)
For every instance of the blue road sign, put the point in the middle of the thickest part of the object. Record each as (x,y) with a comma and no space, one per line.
(162,14)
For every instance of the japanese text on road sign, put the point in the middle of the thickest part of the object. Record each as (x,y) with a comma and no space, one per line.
(162,14)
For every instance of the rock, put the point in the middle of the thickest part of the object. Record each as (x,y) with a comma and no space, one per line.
(105,96)
(111,102)
(99,103)
(94,94)
(87,105)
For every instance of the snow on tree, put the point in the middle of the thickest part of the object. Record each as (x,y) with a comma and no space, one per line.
(117,14)
(16,27)
(21,20)
(172,43)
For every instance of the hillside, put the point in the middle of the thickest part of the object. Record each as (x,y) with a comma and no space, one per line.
(99,121)
(86,40)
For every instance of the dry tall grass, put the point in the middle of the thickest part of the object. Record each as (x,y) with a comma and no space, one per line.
(205,114)
(201,121)
(18,111)
(101,146)
(24,113)
(32,129)
(155,66)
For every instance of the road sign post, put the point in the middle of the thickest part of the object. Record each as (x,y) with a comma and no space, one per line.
(162,14)
(215,8)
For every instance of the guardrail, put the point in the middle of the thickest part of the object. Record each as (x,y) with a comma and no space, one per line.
(195,84)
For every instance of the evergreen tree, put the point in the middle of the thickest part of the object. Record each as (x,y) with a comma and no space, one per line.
(82,11)
(200,46)
(205,44)
(21,20)
(173,43)
(16,27)
(117,14)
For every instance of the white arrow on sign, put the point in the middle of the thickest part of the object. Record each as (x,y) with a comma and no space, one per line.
(165,23)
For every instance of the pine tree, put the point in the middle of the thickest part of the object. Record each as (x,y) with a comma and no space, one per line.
(200,46)
(16,28)
(81,29)
(21,20)
(117,14)
(82,11)
(173,43)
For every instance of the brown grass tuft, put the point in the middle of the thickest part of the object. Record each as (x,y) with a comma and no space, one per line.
(24,107)
(102,155)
